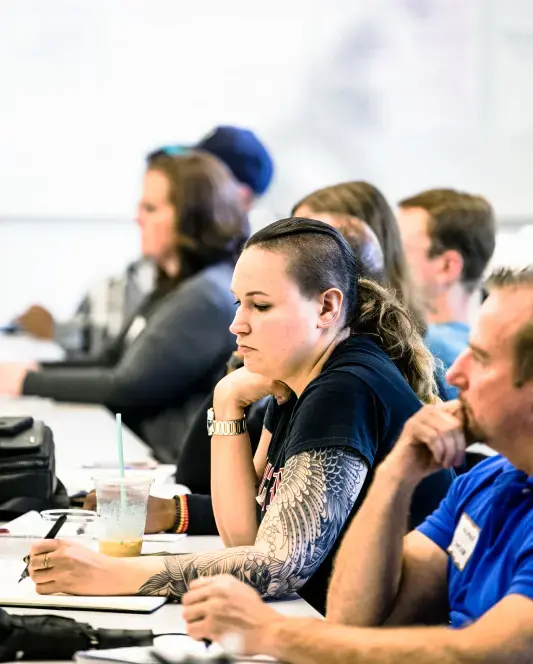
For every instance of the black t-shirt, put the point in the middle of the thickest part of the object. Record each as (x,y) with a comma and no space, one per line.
(360,400)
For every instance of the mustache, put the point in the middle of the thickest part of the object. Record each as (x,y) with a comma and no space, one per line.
(468,420)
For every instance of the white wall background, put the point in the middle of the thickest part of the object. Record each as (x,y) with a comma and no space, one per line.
(405,93)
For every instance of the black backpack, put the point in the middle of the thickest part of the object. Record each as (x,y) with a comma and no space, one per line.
(27,468)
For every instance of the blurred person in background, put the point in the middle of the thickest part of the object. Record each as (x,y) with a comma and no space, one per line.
(111,302)
(168,357)
(366,202)
(449,238)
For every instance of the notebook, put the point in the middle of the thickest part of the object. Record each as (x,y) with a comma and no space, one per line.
(24,594)
(184,650)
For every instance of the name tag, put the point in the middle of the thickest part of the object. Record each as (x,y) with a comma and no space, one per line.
(137,326)
(464,541)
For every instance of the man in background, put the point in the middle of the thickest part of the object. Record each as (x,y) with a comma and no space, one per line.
(449,238)
(111,302)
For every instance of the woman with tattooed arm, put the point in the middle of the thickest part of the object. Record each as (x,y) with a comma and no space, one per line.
(346,367)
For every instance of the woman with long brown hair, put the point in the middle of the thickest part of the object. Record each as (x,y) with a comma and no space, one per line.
(168,356)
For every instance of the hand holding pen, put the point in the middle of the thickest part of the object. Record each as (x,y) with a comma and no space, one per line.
(50,535)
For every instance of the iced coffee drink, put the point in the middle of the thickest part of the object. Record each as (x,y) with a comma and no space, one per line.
(121,548)
(121,507)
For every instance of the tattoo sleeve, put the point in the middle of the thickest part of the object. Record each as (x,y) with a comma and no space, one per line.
(317,491)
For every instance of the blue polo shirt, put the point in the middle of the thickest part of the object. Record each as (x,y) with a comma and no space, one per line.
(495,501)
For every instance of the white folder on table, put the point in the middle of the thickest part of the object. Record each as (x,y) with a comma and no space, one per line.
(24,595)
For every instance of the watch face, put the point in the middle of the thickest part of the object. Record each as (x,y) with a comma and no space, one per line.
(210,421)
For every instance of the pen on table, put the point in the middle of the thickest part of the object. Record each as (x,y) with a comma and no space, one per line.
(50,535)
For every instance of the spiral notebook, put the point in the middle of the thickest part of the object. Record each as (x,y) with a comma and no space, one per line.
(24,595)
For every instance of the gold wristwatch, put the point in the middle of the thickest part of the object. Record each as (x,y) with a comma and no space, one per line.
(224,427)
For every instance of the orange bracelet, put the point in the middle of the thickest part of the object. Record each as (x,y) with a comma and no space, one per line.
(182,515)
(185,513)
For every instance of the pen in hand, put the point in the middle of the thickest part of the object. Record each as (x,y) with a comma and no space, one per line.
(50,535)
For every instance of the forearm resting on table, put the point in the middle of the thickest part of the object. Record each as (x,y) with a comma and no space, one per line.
(490,641)
(368,567)
(171,575)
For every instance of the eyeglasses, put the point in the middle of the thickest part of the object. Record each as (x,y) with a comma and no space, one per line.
(167,151)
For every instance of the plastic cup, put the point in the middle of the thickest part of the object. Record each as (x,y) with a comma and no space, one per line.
(80,524)
(122,503)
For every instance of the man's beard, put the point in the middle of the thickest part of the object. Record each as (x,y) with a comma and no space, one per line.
(472,430)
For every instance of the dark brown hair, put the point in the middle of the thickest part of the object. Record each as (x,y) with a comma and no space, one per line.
(460,221)
(211,225)
(319,258)
(523,347)
(367,203)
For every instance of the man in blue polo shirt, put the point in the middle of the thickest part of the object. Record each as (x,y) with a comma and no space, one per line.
(466,574)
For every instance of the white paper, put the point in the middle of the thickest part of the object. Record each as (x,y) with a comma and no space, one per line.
(175,649)
(24,594)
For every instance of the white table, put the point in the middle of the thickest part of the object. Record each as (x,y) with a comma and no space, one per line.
(166,619)
(23,348)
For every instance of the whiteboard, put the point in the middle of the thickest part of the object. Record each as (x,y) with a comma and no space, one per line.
(405,93)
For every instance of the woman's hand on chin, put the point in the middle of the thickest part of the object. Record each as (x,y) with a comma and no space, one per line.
(242,388)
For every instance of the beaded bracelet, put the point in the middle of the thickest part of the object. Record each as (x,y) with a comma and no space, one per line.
(181,524)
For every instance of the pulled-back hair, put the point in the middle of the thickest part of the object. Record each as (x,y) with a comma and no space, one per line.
(366,202)
(319,258)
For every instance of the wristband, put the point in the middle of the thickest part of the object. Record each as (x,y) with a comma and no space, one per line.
(181,523)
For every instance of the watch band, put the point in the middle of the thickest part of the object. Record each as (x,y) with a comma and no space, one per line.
(224,427)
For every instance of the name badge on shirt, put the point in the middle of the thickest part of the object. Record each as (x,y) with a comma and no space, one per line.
(137,326)
(464,541)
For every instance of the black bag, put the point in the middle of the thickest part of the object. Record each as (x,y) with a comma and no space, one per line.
(27,469)
(49,637)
